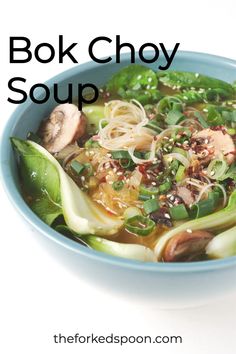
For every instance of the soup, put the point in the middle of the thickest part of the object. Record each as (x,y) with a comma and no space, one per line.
(147,173)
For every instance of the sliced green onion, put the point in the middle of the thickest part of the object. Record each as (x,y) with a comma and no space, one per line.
(180,174)
(174,117)
(152,124)
(131,211)
(165,187)
(217,168)
(179,212)
(179,151)
(202,208)
(117,185)
(150,206)
(77,167)
(126,163)
(89,169)
(120,154)
(140,225)
(145,197)
(91,144)
(201,119)
(148,190)
(215,196)
(174,165)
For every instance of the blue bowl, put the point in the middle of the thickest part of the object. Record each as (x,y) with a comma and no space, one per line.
(168,285)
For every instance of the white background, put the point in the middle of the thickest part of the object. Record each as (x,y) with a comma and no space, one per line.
(40,296)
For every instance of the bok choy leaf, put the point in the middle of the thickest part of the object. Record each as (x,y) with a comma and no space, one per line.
(124,250)
(215,222)
(54,193)
(223,245)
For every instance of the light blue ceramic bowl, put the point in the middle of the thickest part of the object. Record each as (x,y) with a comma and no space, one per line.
(164,284)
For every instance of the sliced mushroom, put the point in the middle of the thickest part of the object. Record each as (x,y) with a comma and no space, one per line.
(221,142)
(64,126)
(187,246)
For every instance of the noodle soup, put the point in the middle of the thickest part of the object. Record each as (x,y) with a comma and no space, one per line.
(147,173)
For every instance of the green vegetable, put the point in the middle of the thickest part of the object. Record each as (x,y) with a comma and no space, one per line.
(217,168)
(150,206)
(201,119)
(165,187)
(77,167)
(154,125)
(231,173)
(88,169)
(215,196)
(179,212)
(179,151)
(91,144)
(140,225)
(94,113)
(41,180)
(174,117)
(124,250)
(135,82)
(117,185)
(214,116)
(223,245)
(202,208)
(214,222)
(131,211)
(126,163)
(180,174)
(120,154)
(169,103)
(55,193)
(187,80)
(148,190)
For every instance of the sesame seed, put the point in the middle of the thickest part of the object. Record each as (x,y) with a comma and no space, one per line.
(167,216)
(189,231)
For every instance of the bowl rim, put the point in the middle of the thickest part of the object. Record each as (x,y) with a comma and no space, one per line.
(20,205)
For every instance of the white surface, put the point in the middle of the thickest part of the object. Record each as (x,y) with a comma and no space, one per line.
(39,296)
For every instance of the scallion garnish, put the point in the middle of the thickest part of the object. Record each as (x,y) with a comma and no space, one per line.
(174,117)
(179,212)
(140,225)
(202,208)
(89,169)
(117,185)
(165,187)
(150,206)
(149,191)
(77,167)
(120,154)
(201,119)
(180,174)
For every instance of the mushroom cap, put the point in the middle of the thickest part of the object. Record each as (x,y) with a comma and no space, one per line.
(64,125)
(221,142)
(187,246)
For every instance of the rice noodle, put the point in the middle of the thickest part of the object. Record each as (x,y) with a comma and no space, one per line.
(180,158)
(209,186)
(126,129)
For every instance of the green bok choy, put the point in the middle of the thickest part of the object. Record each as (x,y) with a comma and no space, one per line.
(216,222)
(54,193)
